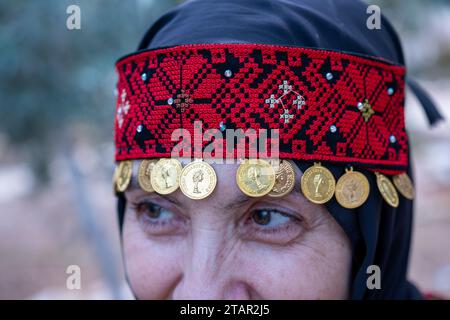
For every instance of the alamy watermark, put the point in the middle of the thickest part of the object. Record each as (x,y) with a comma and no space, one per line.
(73,281)
(374,280)
(374,20)
(227,145)
(73,21)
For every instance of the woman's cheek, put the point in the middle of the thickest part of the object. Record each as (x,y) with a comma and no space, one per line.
(152,268)
(299,271)
(279,275)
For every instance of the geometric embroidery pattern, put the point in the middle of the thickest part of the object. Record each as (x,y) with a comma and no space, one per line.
(300,91)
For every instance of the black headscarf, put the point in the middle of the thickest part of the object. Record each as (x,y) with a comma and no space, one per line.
(380,235)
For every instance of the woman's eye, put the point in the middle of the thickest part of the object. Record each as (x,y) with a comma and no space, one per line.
(270,218)
(156,220)
(272,226)
(153,211)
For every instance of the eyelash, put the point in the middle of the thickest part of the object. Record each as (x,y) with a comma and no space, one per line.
(156,226)
(251,228)
(279,234)
(270,210)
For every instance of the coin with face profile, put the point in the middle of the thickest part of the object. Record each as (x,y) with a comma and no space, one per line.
(165,175)
(284,179)
(123,177)
(144,174)
(318,184)
(198,180)
(387,190)
(404,184)
(352,189)
(255,177)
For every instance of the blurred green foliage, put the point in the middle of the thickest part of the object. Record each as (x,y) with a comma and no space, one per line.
(53,78)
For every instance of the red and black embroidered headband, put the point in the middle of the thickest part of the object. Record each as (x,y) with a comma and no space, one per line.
(327,105)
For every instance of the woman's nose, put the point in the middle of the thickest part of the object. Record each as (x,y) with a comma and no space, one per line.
(207,272)
(196,287)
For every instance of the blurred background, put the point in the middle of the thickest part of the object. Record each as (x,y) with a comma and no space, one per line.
(56,150)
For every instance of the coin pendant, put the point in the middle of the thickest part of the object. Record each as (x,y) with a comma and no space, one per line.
(165,176)
(318,184)
(124,172)
(198,180)
(387,190)
(284,179)
(255,177)
(114,179)
(404,184)
(144,174)
(352,189)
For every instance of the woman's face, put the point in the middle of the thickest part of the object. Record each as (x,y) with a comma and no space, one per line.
(230,246)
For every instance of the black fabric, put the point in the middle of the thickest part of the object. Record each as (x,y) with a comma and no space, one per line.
(431,111)
(330,24)
(121,206)
(379,234)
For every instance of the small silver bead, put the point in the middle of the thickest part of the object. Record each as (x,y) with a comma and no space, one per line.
(144,76)
(139,128)
(228,73)
(222,126)
(392,139)
(390,91)
(329,76)
(360,105)
(170,101)
(333,128)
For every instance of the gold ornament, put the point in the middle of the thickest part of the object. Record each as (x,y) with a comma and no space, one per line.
(198,180)
(404,184)
(366,110)
(318,184)
(352,189)
(165,176)
(123,177)
(387,190)
(114,179)
(144,174)
(284,179)
(255,177)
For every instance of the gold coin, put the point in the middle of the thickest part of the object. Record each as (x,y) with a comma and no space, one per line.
(198,180)
(404,185)
(387,190)
(125,170)
(114,179)
(284,179)
(144,174)
(352,189)
(318,184)
(255,177)
(165,176)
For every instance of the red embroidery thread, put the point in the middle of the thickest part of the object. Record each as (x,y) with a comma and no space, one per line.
(302,92)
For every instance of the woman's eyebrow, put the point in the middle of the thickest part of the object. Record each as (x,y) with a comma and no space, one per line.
(172,200)
(134,187)
(236,202)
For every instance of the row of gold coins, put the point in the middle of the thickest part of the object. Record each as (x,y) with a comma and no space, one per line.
(258,177)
